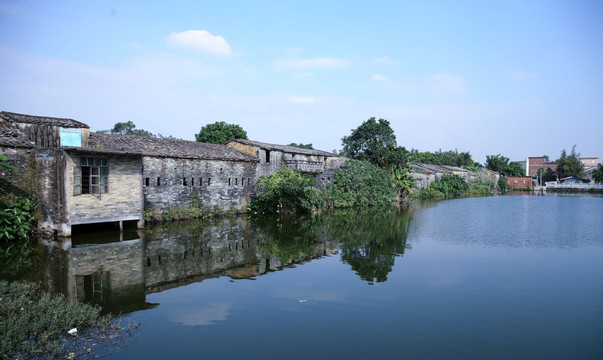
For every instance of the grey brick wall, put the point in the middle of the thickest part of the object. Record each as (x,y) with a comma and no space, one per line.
(169,182)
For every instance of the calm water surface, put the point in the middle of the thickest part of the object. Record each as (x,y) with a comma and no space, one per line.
(506,277)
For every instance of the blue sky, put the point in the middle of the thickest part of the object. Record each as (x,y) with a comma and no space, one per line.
(517,78)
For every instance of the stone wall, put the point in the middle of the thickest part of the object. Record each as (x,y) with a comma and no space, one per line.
(22,180)
(171,182)
(123,201)
(425,174)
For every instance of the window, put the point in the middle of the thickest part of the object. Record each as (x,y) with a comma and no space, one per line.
(267,156)
(91,177)
(158,181)
(146,182)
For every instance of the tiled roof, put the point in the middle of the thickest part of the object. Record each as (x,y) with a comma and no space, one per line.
(284,148)
(13,137)
(32,119)
(429,168)
(151,146)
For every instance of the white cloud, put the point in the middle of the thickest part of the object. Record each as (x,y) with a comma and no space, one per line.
(446,83)
(311,63)
(380,78)
(201,315)
(200,40)
(384,60)
(302,99)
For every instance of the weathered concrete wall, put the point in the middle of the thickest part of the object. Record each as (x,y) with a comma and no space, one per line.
(49,166)
(46,135)
(170,182)
(22,180)
(423,178)
(123,201)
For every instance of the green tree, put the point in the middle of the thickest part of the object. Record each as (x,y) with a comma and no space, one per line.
(451,185)
(361,184)
(374,141)
(127,128)
(497,163)
(450,158)
(598,174)
(514,169)
(302,146)
(503,185)
(220,133)
(286,191)
(570,165)
(546,175)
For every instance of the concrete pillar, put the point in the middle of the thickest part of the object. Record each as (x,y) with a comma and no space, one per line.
(65,230)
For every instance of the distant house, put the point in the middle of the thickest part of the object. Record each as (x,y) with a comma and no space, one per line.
(589,161)
(520,182)
(271,158)
(534,163)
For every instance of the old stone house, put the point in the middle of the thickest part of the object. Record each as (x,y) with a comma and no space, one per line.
(180,173)
(82,177)
(271,158)
(75,184)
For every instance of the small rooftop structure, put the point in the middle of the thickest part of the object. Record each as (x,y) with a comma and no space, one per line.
(283,148)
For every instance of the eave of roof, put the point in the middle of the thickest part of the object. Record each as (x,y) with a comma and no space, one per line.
(150,146)
(33,119)
(284,148)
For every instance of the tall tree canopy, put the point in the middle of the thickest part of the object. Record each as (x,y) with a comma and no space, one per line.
(598,174)
(497,163)
(502,165)
(302,146)
(570,165)
(220,133)
(450,158)
(127,128)
(374,141)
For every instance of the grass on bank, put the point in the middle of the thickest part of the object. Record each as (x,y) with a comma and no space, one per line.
(35,323)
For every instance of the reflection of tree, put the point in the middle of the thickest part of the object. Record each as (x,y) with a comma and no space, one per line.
(287,237)
(371,240)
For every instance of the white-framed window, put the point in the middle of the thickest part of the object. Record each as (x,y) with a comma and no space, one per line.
(91,176)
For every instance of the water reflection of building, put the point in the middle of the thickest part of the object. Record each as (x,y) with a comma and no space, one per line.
(106,274)
(119,274)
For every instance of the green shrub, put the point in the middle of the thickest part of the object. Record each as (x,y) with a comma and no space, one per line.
(361,184)
(34,323)
(503,185)
(451,185)
(286,191)
(430,192)
(17,246)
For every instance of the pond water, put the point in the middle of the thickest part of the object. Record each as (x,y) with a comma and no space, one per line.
(477,278)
